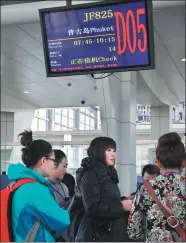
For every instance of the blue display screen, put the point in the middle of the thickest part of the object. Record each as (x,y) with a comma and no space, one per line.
(96,38)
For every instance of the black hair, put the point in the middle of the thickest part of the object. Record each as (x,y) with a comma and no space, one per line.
(69,181)
(151,169)
(98,147)
(59,155)
(33,150)
(170,150)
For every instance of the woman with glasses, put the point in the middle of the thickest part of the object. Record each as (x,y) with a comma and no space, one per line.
(34,201)
(59,189)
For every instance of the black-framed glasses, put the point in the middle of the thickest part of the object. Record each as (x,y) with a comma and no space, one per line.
(53,160)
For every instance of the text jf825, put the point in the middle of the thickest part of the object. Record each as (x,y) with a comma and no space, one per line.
(124,34)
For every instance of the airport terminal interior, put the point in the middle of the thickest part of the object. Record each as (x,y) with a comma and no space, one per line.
(134,108)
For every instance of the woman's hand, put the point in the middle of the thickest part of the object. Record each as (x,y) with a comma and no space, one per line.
(131,197)
(127,205)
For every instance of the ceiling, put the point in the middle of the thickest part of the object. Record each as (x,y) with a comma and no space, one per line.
(23,68)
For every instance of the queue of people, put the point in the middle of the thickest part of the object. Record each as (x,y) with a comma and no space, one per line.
(101,213)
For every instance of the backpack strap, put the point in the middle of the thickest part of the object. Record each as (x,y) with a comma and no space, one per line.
(171,220)
(33,232)
(14,185)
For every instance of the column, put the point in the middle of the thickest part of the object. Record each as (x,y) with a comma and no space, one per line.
(77,119)
(128,176)
(161,121)
(117,100)
(50,117)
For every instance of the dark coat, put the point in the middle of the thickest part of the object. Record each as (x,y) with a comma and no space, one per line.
(104,219)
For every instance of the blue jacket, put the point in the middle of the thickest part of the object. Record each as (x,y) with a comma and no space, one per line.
(34,201)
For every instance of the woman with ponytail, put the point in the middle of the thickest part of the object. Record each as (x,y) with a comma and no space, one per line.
(34,201)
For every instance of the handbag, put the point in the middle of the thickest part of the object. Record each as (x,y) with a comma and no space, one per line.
(171,220)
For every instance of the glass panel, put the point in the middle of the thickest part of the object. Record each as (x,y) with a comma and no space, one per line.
(82,109)
(58,118)
(64,128)
(82,126)
(71,113)
(92,122)
(71,123)
(34,124)
(82,118)
(65,112)
(70,154)
(58,111)
(87,128)
(91,112)
(57,127)
(43,113)
(56,147)
(36,113)
(42,125)
(87,120)
(88,111)
(65,150)
(64,120)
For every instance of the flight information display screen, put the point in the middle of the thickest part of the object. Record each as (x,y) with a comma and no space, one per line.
(98,37)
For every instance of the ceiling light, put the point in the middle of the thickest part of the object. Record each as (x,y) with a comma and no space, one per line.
(26,92)
(183,59)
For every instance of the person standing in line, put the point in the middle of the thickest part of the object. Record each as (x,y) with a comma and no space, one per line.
(59,189)
(184,168)
(34,201)
(149,172)
(69,181)
(104,217)
(169,188)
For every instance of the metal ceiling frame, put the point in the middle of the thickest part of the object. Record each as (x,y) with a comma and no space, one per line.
(7,2)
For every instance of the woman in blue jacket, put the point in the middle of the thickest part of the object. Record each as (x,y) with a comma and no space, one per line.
(34,201)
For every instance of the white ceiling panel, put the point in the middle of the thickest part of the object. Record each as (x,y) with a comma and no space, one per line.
(168,28)
(41,57)
(145,96)
(22,39)
(25,86)
(167,70)
(31,98)
(9,64)
(32,63)
(172,33)
(42,96)
(9,49)
(14,78)
(34,29)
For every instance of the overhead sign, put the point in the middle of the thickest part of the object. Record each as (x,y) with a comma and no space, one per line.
(98,37)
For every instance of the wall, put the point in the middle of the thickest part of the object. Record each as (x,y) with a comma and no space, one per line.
(7,127)
(10,104)
(7,134)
